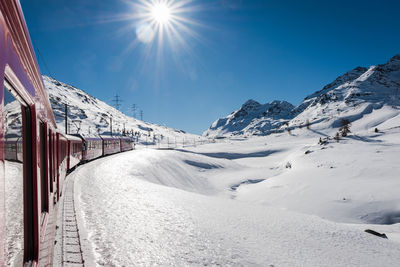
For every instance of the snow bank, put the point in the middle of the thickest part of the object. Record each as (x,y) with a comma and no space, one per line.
(238,203)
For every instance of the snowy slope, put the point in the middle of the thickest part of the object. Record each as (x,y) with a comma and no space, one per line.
(88,115)
(352,96)
(284,199)
(252,119)
(237,203)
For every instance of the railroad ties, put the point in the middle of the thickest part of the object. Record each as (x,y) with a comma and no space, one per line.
(46,244)
(71,245)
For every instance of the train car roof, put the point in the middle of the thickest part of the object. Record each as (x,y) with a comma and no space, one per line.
(126,138)
(22,45)
(109,137)
(73,138)
(87,137)
(91,138)
(61,135)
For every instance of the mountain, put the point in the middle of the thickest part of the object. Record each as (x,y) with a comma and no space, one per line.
(353,96)
(253,118)
(88,115)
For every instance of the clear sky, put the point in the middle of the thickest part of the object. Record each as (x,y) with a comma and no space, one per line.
(217,55)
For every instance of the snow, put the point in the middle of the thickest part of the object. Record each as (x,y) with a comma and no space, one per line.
(252,117)
(238,203)
(277,194)
(14,213)
(352,95)
(89,116)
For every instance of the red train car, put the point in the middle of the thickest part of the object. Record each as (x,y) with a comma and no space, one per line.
(74,152)
(27,185)
(111,145)
(92,148)
(62,161)
(34,157)
(127,143)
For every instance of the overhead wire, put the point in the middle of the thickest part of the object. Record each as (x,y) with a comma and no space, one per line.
(36,47)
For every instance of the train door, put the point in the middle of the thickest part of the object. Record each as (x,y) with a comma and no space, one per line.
(68,154)
(50,169)
(54,145)
(43,170)
(58,164)
(18,179)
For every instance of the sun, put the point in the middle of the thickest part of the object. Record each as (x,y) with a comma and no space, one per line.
(161,13)
(164,24)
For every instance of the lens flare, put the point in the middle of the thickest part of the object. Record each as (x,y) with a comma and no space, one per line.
(145,33)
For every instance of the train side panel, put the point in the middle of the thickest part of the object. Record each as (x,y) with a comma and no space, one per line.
(127,143)
(62,159)
(92,148)
(29,171)
(111,145)
(74,151)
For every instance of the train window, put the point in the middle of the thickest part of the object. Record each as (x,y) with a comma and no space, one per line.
(14,177)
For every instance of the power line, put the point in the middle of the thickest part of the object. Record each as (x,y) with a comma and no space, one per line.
(42,58)
(133,109)
(117,101)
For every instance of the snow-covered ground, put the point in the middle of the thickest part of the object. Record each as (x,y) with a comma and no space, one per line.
(279,200)
(14,213)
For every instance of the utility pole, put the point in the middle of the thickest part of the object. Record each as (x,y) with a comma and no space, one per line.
(117,101)
(66,118)
(111,126)
(141,115)
(133,109)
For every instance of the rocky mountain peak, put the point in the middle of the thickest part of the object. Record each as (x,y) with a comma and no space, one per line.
(250,105)
(352,95)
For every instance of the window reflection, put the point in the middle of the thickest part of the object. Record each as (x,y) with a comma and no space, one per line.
(13,143)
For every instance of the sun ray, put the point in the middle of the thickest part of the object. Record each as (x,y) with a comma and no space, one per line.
(161,32)
(163,15)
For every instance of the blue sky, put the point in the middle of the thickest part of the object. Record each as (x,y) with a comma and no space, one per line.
(231,51)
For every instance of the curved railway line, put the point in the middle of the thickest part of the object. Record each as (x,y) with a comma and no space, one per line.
(35,156)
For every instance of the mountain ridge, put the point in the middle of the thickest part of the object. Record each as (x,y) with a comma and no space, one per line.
(352,95)
(88,115)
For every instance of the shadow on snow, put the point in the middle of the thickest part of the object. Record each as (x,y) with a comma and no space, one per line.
(228,155)
(202,165)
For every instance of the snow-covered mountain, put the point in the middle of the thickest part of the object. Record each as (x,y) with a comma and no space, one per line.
(352,96)
(88,115)
(253,118)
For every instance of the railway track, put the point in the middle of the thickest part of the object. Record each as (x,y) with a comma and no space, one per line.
(71,244)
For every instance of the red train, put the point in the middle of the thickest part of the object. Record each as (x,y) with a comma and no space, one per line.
(34,156)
